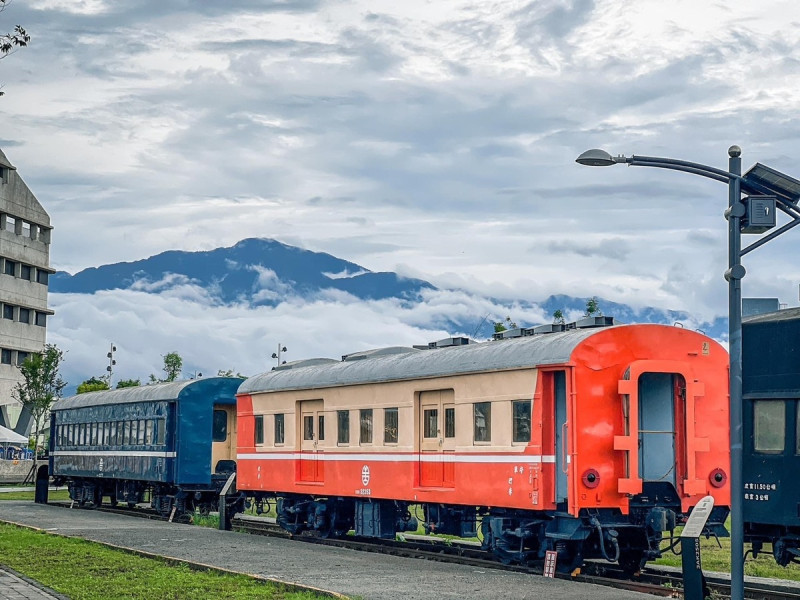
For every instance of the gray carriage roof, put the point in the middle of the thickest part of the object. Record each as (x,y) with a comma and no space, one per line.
(546,349)
(787,314)
(142,393)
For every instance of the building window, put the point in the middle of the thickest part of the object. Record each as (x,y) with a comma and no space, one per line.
(483,421)
(521,415)
(26,229)
(10,268)
(220,428)
(8,311)
(390,425)
(25,272)
(450,422)
(11,224)
(769,424)
(343,421)
(42,276)
(365,431)
(24,315)
(41,319)
(280,430)
(5,356)
(22,356)
(259,435)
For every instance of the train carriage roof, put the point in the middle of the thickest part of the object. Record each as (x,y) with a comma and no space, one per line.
(525,352)
(225,387)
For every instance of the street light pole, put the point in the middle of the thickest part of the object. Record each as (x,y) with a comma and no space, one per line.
(759,180)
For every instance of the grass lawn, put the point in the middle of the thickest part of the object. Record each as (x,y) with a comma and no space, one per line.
(87,571)
(62,494)
(719,559)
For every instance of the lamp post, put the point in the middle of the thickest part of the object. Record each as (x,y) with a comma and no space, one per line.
(772,189)
(277,355)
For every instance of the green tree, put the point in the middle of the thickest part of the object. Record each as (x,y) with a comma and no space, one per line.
(593,308)
(558,317)
(229,373)
(173,363)
(41,386)
(94,384)
(504,325)
(126,383)
(19,38)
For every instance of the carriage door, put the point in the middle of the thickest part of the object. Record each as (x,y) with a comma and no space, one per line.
(223,446)
(657,427)
(312,433)
(437,438)
(562,458)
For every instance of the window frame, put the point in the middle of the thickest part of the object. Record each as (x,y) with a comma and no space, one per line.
(486,438)
(758,419)
(366,427)
(279,423)
(515,418)
(343,427)
(386,425)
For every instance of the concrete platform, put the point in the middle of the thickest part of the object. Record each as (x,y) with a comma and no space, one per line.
(352,573)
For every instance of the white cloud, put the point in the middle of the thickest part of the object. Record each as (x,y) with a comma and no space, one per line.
(435,139)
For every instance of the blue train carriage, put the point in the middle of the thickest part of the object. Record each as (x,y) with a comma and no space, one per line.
(771,453)
(157,442)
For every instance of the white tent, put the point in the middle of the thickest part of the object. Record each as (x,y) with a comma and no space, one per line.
(8,436)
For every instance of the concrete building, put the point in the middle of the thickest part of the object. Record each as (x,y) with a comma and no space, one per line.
(24,275)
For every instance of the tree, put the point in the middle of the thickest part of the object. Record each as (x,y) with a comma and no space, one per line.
(19,38)
(229,373)
(41,387)
(172,368)
(500,326)
(94,384)
(558,317)
(126,383)
(593,308)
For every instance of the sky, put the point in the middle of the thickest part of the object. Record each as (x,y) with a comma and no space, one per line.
(434,139)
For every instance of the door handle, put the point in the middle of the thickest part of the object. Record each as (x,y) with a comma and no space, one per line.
(564,430)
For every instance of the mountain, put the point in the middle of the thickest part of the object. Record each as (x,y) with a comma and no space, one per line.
(254,271)
(261,272)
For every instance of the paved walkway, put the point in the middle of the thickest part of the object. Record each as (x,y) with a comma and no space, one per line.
(16,587)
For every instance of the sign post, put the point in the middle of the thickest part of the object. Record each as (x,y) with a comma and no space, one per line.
(693,580)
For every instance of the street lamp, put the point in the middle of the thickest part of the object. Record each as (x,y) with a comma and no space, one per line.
(277,354)
(768,189)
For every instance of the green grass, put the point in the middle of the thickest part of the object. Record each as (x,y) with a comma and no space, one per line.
(52,495)
(715,558)
(88,571)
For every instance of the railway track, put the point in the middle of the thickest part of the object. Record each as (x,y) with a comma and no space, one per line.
(651,580)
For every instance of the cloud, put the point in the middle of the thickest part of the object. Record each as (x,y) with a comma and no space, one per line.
(434,138)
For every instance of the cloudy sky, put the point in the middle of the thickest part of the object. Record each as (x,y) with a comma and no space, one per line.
(436,139)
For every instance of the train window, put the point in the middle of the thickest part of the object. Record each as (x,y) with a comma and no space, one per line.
(148,436)
(430,420)
(449,422)
(343,418)
(259,433)
(365,432)
(308,427)
(112,433)
(521,414)
(280,430)
(769,423)
(483,421)
(220,431)
(390,425)
(161,432)
(93,441)
(321,431)
(101,433)
(82,434)
(140,437)
(126,432)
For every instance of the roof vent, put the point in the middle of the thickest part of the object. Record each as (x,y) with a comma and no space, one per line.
(549,328)
(587,322)
(452,341)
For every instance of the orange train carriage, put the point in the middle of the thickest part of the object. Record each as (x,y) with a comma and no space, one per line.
(593,442)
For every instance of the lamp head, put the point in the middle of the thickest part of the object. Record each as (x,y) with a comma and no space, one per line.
(598,158)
